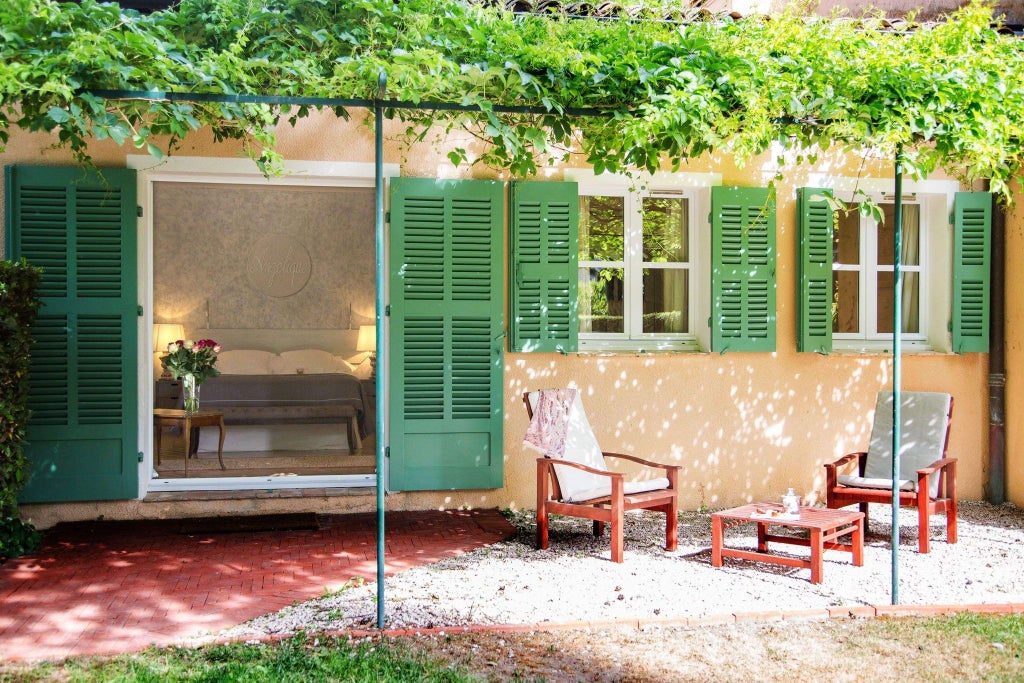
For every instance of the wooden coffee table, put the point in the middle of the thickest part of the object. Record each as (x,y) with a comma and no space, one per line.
(167,417)
(826,527)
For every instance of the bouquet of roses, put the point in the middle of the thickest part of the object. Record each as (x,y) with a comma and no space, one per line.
(187,357)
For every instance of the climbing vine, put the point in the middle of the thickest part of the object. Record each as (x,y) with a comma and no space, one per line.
(950,94)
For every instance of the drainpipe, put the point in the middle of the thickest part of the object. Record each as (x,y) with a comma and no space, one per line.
(997,361)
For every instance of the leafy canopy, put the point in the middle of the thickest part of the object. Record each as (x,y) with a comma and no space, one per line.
(949,94)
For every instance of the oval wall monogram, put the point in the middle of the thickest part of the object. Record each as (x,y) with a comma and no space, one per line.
(278,265)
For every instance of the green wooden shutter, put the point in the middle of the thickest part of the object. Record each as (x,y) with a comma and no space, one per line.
(544,249)
(83,389)
(814,293)
(972,251)
(742,269)
(446,334)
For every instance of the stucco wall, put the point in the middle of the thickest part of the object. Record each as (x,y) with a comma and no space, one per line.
(743,426)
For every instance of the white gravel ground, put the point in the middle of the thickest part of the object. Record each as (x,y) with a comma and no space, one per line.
(513,583)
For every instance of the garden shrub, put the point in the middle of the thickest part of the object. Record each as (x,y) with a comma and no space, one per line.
(18,306)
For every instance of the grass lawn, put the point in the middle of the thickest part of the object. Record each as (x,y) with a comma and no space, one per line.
(963,647)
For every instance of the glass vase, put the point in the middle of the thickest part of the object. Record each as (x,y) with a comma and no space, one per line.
(190,389)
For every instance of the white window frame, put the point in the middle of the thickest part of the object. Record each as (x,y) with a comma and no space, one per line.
(935,198)
(696,189)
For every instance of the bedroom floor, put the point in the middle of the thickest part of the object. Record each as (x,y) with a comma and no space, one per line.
(266,463)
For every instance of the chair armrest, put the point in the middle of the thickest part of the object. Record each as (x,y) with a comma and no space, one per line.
(549,462)
(936,466)
(831,469)
(846,459)
(649,463)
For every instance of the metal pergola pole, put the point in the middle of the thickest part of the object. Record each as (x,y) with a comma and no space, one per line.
(382,356)
(897,344)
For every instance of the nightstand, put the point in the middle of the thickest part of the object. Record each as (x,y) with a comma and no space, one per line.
(370,390)
(168,394)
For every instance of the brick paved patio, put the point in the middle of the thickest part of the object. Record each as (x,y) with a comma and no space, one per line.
(108,587)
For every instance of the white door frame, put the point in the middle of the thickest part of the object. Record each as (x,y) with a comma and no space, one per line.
(218,170)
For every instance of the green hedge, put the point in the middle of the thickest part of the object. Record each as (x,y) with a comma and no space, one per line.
(18,306)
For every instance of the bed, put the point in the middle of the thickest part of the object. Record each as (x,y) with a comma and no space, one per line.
(307,386)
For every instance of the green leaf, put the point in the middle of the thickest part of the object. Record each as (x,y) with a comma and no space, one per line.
(58,115)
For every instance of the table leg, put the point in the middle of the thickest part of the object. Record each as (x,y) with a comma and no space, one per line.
(355,441)
(187,430)
(159,435)
(717,538)
(762,537)
(817,551)
(857,538)
(220,444)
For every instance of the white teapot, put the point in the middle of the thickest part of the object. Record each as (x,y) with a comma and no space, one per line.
(791,502)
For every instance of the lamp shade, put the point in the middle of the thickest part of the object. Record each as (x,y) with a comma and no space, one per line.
(367,339)
(165,333)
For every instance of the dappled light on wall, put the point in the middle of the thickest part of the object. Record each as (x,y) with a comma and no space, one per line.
(738,424)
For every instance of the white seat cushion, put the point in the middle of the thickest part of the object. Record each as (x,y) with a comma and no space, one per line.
(922,438)
(869,483)
(628,488)
(581,447)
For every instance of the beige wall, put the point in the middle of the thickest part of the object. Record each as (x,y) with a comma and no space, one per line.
(268,258)
(742,426)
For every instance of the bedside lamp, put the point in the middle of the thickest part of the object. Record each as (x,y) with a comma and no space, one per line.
(164,334)
(367,341)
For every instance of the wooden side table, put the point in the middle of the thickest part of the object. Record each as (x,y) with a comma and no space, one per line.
(826,527)
(168,417)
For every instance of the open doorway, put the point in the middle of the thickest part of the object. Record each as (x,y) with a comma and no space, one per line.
(281,276)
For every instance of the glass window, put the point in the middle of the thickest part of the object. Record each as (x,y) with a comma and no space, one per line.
(602,264)
(863,253)
(634,266)
(666,247)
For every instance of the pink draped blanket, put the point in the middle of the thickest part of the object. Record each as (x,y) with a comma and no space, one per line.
(547,430)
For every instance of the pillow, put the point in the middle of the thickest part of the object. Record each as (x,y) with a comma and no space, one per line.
(344,365)
(310,361)
(364,370)
(244,362)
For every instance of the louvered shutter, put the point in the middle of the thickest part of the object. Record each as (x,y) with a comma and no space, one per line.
(544,249)
(446,334)
(972,252)
(80,227)
(742,269)
(814,305)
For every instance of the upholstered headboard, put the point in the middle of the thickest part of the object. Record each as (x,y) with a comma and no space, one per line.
(339,342)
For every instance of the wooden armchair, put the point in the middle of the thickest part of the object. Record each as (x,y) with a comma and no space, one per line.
(927,476)
(578,484)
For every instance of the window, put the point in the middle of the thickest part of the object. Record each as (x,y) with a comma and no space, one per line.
(639,273)
(863,273)
(845,265)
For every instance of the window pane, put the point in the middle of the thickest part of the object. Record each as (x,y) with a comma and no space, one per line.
(846,302)
(602,226)
(665,230)
(666,293)
(601,298)
(911,242)
(911,303)
(846,239)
